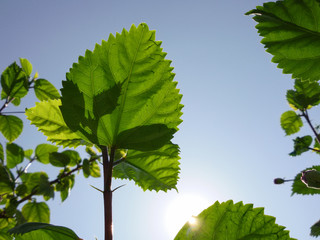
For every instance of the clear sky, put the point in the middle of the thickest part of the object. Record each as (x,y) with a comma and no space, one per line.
(232,146)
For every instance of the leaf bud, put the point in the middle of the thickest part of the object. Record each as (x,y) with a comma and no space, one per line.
(278,181)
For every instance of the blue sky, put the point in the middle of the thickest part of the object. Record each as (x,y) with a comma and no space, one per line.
(232,146)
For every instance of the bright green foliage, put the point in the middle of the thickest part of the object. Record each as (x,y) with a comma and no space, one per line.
(26,66)
(305,95)
(298,187)
(14,82)
(291,122)
(91,169)
(43,151)
(233,221)
(291,33)
(301,145)
(15,154)
(32,231)
(122,94)
(44,90)
(11,127)
(36,212)
(315,229)
(151,170)
(47,117)
(64,186)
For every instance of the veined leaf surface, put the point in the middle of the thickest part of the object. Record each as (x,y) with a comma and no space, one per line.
(291,33)
(233,221)
(151,170)
(46,115)
(122,94)
(11,127)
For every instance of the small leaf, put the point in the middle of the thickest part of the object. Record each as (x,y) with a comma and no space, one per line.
(28,153)
(233,221)
(11,127)
(6,180)
(301,145)
(26,66)
(305,95)
(47,117)
(291,122)
(36,212)
(38,181)
(15,155)
(298,187)
(14,82)
(86,168)
(44,90)
(43,151)
(73,156)
(59,159)
(315,229)
(31,231)
(94,169)
(151,170)
(64,186)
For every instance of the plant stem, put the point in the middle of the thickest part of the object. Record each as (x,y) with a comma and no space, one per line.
(107,193)
(306,116)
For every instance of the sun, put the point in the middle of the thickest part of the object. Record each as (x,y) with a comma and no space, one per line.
(184,209)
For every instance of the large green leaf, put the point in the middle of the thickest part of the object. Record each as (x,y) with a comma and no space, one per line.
(122,94)
(46,115)
(11,127)
(298,187)
(44,90)
(32,231)
(15,155)
(305,95)
(233,221)
(36,212)
(291,122)
(14,82)
(151,170)
(291,33)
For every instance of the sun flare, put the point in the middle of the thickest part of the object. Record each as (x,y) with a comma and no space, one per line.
(184,209)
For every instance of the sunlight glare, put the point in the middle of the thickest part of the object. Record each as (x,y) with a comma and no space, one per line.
(184,209)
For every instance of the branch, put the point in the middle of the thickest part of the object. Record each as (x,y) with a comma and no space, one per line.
(306,116)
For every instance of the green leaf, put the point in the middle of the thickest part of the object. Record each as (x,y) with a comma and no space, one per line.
(14,82)
(151,170)
(64,186)
(122,94)
(74,157)
(291,122)
(301,145)
(36,212)
(233,221)
(47,117)
(306,95)
(298,187)
(28,153)
(31,231)
(1,154)
(15,155)
(38,182)
(26,66)
(290,33)
(44,90)
(6,180)
(43,151)
(59,159)
(11,127)
(86,168)
(90,169)
(315,229)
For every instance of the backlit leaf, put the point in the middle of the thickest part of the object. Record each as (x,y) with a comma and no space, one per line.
(151,170)
(15,155)
(46,115)
(122,94)
(14,82)
(32,231)
(290,31)
(11,127)
(36,212)
(291,122)
(26,66)
(233,221)
(301,145)
(59,159)
(44,90)
(298,187)
(43,151)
